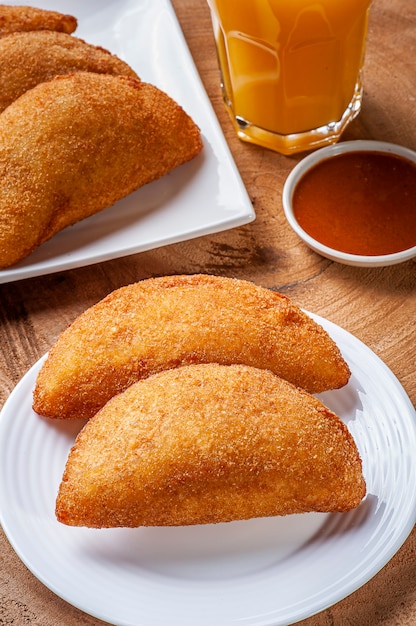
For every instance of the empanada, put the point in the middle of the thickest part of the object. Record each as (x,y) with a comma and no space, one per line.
(205,444)
(166,322)
(30,58)
(25,18)
(75,145)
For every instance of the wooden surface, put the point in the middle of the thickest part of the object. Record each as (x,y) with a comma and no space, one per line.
(378,306)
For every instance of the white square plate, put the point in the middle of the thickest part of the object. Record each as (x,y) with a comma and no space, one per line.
(199,198)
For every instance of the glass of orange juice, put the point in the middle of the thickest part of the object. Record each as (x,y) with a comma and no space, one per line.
(291,69)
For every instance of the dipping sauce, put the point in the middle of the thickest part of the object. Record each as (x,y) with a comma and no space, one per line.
(361,203)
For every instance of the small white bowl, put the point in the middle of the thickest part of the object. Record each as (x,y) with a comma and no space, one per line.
(320,155)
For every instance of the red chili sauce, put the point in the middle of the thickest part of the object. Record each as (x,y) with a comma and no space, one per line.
(359,202)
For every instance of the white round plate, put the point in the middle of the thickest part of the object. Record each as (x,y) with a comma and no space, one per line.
(261,572)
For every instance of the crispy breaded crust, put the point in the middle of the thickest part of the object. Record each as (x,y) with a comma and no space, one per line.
(206,444)
(75,145)
(25,18)
(161,323)
(30,58)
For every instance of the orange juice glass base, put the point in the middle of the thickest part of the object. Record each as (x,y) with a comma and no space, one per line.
(295,142)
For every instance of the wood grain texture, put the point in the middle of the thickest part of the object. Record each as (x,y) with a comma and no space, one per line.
(376,305)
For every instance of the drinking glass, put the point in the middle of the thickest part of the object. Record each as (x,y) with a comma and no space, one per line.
(291,69)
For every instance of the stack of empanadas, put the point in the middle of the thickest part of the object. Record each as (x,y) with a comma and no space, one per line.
(199,393)
(78,130)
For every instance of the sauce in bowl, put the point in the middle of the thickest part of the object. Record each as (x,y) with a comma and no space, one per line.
(361,203)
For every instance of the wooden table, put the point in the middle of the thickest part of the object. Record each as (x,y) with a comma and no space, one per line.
(376,305)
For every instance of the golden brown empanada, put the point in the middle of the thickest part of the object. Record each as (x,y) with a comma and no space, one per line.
(205,444)
(75,145)
(25,18)
(166,322)
(30,58)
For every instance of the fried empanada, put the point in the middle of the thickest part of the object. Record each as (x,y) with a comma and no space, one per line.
(162,323)
(75,145)
(210,443)
(25,18)
(30,58)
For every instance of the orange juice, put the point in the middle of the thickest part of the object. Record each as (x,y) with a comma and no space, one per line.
(291,68)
